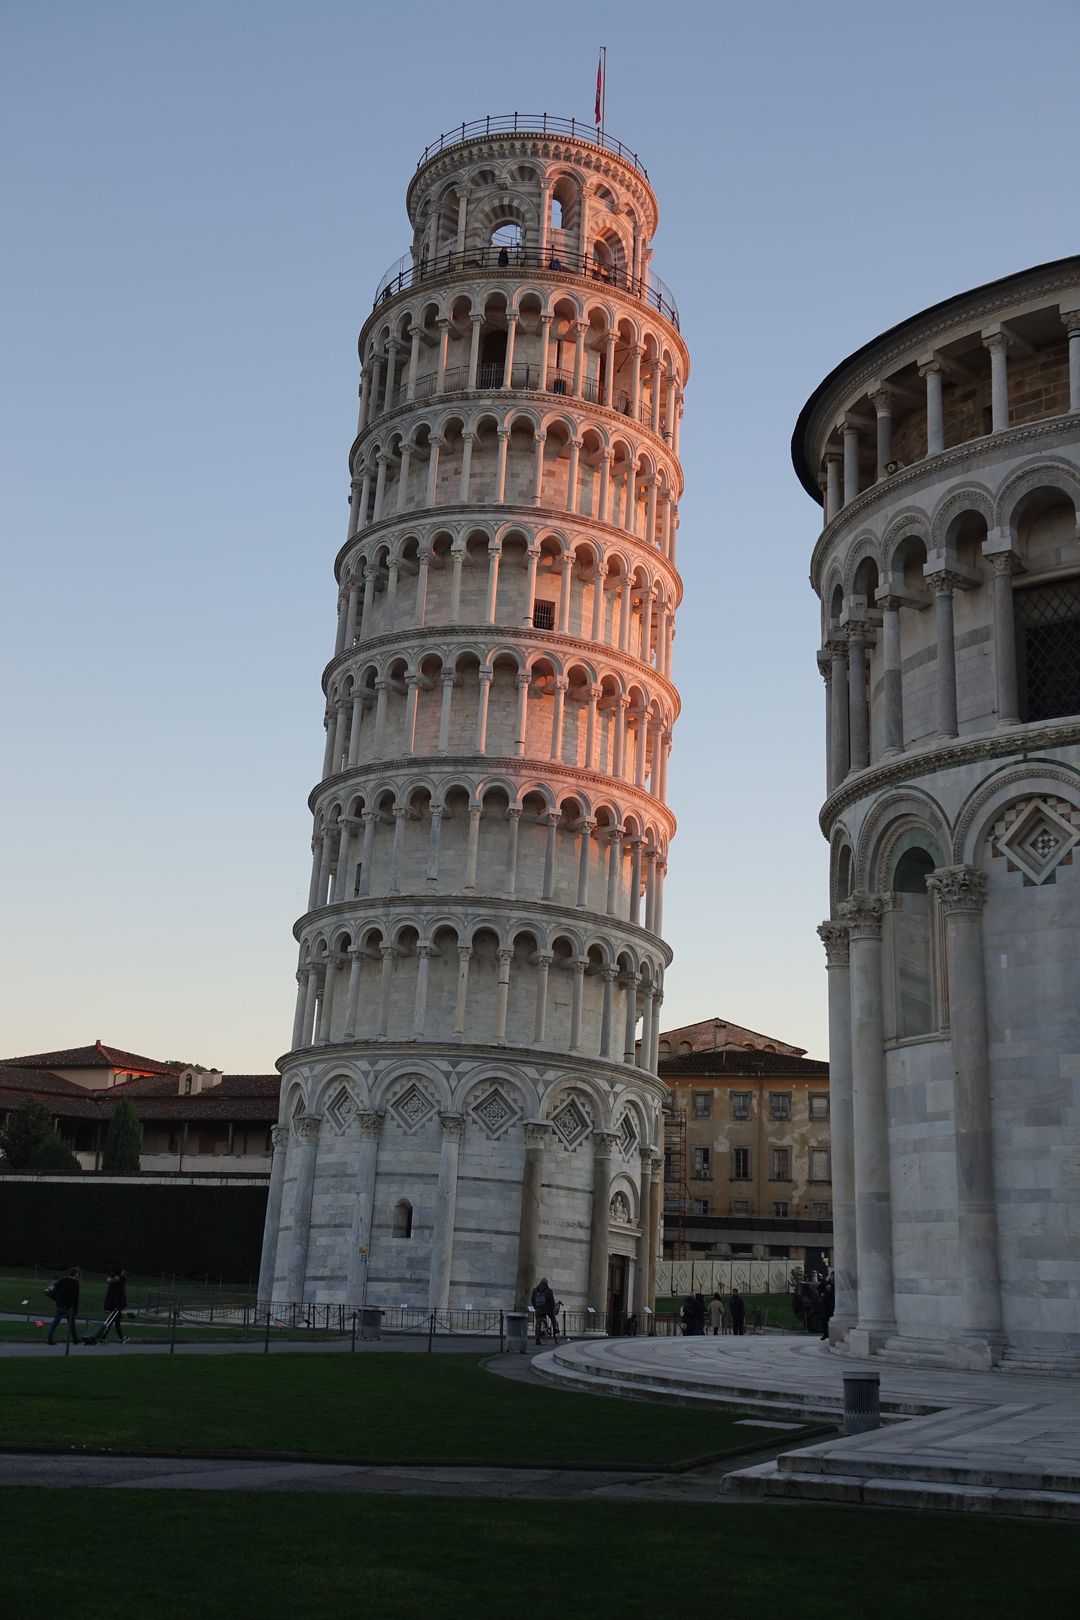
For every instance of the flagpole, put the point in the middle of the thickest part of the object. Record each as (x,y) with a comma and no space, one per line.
(603,93)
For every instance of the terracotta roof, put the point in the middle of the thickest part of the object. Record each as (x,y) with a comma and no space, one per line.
(230,1085)
(60,1096)
(97,1056)
(746,1062)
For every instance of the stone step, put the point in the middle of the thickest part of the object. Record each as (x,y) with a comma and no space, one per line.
(864,1462)
(768,1480)
(575,1370)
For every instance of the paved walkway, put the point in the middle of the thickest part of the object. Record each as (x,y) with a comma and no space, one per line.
(981,1441)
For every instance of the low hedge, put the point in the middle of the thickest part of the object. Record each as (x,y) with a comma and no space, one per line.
(186,1231)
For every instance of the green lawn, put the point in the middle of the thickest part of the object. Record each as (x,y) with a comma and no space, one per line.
(155,1330)
(19,1283)
(378,1405)
(775,1309)
(138,1555)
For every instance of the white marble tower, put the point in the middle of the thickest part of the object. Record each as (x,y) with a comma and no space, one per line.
(947,456)
(466,1105)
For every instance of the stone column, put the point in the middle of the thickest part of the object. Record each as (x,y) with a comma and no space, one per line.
(545,341)
(580,329)
(473,848)
(894,679)
(609,367)
(369,818)
(423,974)
(502,994)
(326,1010)
(604,1143)
(415,334)
(539,439)
(590,729)
(397,850)
(1003,564)
(462,1002)
(585,828)
(352,997)
(935,414)
(833,498)
(307,1036)
(369,1124)
(302,1151)
(630,1029)
(423,564)
(851,464)
(434,448)
(634,906)
(500,471)
(607,1022)
(467,441)
(883,400)
(432,874)
(412,699)
(961,891)
(442,1237)
(298,1014)
(870,1128)
(477,322)
(351,613)
(444,346)
(998,344)
(838,688)
(1071,321)
(646,1257)
(543,966)
(834,937)
(942,584)
(513,820)
(577,968)
(341,877)
(494,556)
(482,701)
(656,1214)
(532,557)
(523,682)
(378,738)
(508,363)
(323,885)
(566,585)
(606,458)
(279,1135)
(353,758)
(555,750)
(448,683)
(537,1136)
(614,843)
(550,819)
(858,713)
(388,953)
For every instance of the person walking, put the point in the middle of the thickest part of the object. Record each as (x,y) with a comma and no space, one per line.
(543,1304)
(828,1303)
(64,1293)
(716,1314)
(699,1316)
(115,1305)
(738,1312)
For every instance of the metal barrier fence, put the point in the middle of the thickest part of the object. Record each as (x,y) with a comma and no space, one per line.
(407,272)
(530,124)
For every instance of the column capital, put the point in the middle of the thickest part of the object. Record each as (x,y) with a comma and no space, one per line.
(1070,320)
(505,954)
(453,1127)
(1002,562)
(1000,341)
(645,1157)
(944,581)
(279,1136)
(464,952)
(545,320)
(305,1129)
(369,1123)
(835,936)
(425,950)
(862,912)
(883,399)
(387,952)
(610,974)
(538,1133)
(604,1143)
(513,812)
(959,888)
(478,319)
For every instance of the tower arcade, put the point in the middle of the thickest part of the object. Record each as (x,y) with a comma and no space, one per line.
(471,1096)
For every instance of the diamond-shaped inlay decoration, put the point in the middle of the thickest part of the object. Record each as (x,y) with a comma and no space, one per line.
(342,1111)
(571,1122)
(412,1108)
(627,1135)
(1038,840)
(495,1112)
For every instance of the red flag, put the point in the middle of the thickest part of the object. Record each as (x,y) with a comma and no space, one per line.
(599,87)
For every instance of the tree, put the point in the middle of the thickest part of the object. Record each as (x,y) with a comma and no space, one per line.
(31,1142)
(53,1153)
(29,1125)
(123,1141)
(182,1063)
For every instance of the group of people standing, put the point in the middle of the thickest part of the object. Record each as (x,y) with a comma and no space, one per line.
(694,1313)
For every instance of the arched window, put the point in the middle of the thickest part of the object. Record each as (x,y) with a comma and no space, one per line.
(556,214)
(912,945)
(403,1219)
(1048,649)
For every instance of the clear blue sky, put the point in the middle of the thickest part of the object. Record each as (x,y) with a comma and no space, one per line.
(198,202)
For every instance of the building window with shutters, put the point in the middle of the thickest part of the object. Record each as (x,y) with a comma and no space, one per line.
(820,1164)
(779,1104)
(740,1164)
(779,1164)
(702,1104)
(702,1164)
(740,1105)
(780,1209)
(819,1105)
(740,1206)
(699,1206)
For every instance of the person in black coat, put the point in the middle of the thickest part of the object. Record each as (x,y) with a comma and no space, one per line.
(543,1303)
(115,1304)
(738,1312)
(64,1293)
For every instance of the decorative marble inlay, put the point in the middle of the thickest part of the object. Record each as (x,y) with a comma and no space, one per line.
(627,1136)
(412,1108)
(495,1112)
(1037,836)
(342,1111)
(571,1122)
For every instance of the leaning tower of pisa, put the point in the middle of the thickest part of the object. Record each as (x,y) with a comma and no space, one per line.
(471,1096)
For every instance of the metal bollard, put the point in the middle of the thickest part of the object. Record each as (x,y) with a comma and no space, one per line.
(266,1340)
(862,1402)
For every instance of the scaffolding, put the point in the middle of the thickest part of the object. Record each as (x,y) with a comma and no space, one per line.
(676,1191)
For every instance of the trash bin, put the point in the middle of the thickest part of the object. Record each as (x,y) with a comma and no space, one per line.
(517,1331)
(862,1402)
(370,1322)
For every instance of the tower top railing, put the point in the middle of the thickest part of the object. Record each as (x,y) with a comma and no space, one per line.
(578,129)
(405,272)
